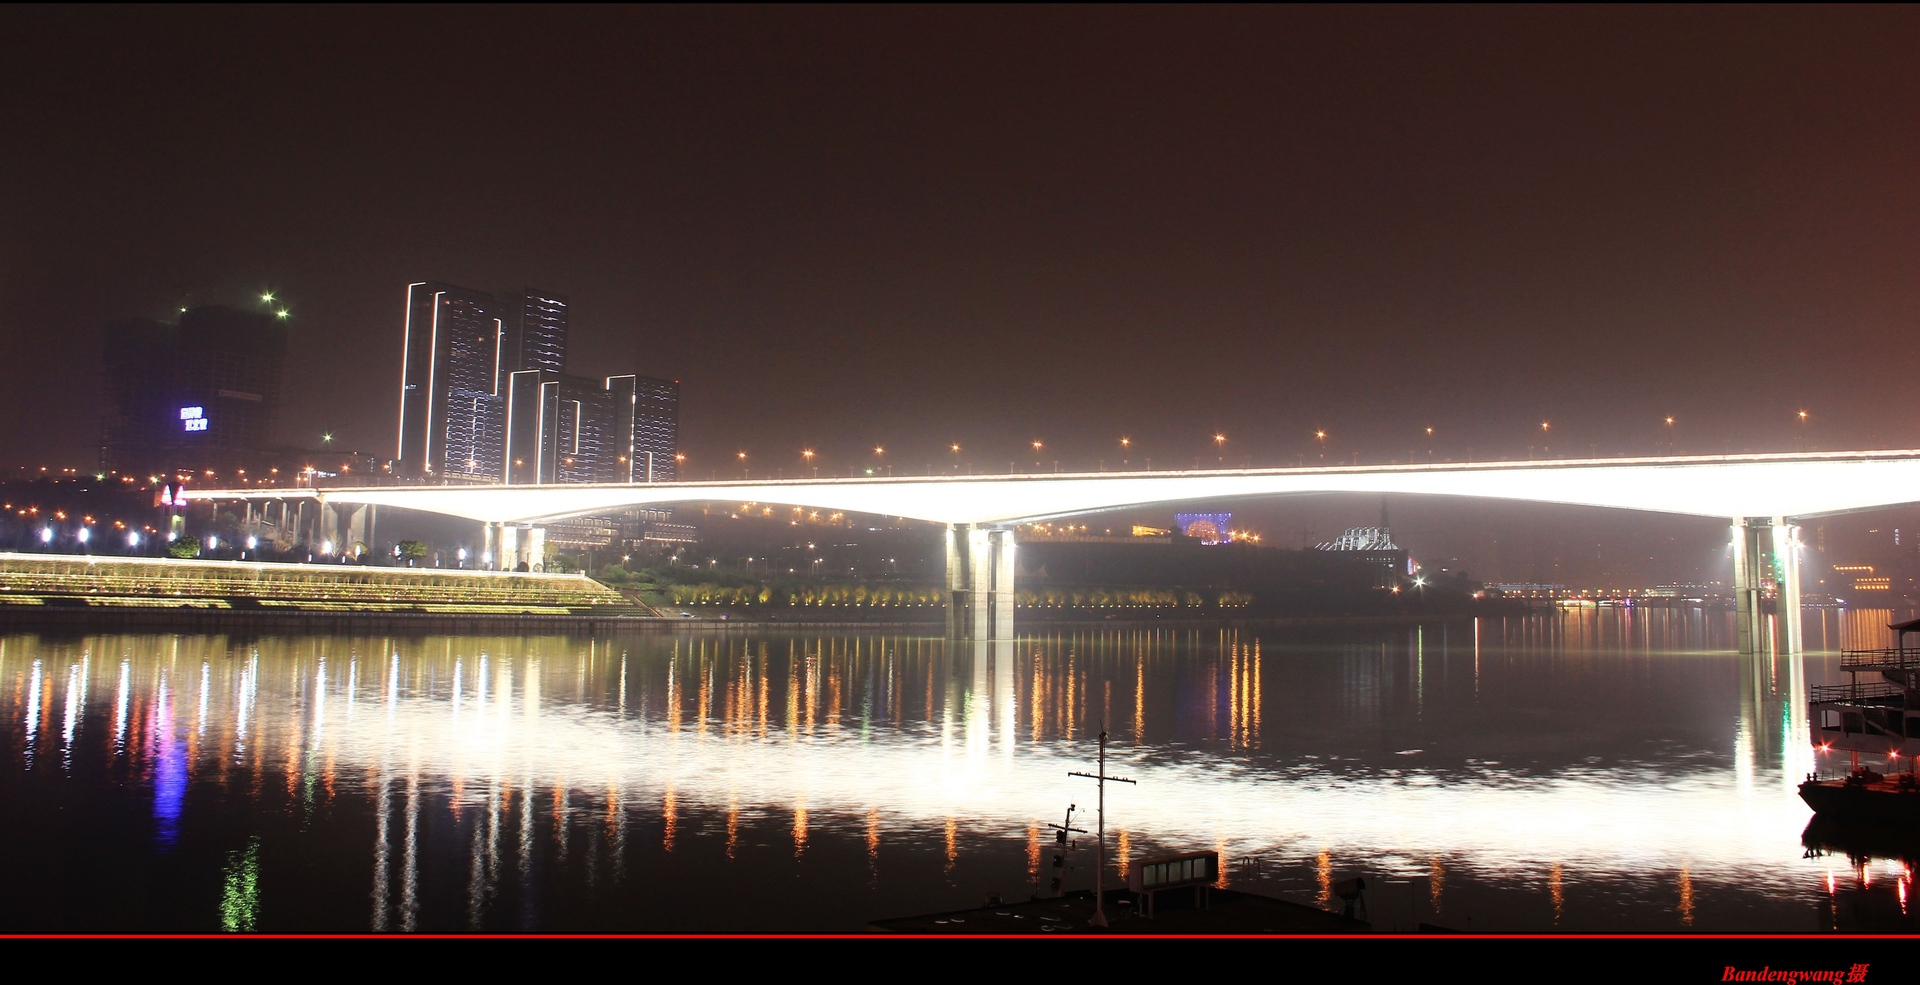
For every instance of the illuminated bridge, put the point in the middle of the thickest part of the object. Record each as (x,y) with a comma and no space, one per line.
(1760,494)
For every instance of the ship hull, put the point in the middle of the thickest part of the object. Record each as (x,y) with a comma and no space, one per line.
(1870,803)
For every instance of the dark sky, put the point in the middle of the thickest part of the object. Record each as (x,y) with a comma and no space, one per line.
(849,227)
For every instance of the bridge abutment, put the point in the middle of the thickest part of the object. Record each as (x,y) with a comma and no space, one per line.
(980,567)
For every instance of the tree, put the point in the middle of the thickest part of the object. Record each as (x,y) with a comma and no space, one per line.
(184,548)
(410,551)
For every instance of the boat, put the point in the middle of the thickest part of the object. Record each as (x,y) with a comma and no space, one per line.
(1875,720)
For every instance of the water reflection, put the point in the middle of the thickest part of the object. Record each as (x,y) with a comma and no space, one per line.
(1582,770)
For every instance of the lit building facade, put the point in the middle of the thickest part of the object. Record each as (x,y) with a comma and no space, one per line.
(451,411)
(537,335)
(1207,528)
(651,424)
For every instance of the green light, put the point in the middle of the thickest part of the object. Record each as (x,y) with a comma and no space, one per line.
(283,312)
(328,437)
(267,297)
(240,896)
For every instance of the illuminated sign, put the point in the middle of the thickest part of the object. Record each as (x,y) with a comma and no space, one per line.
(193,418)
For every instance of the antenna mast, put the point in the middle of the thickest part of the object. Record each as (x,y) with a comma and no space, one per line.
(1100,842)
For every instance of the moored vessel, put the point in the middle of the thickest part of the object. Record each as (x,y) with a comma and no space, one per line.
(1877,723)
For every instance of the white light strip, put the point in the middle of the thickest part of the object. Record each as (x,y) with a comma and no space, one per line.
(406,352)
(1720,486)
(433,364)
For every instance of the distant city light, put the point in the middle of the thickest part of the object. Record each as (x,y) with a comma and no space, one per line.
(46,535)
(252,542)
(84,535)
(133,539)
(267,297)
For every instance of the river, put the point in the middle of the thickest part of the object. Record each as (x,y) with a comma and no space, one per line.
(1588,770)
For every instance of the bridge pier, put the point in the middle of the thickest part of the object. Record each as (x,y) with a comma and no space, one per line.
(512,544)
(346,524)
(1766,551)
(979,582)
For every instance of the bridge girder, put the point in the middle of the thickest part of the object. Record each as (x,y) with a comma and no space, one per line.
(1710,486)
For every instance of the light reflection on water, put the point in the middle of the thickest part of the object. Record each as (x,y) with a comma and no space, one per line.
(1598,770)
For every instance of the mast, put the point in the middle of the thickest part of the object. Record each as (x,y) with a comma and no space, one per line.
(1100,838)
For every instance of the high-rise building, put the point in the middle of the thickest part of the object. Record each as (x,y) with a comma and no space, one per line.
(572,429)
(200,393)
(646,428)
(486,398)
(451,411)
(559,429)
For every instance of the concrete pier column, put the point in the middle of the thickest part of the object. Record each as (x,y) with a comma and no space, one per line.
(326,527)
(1786,570)
(489,545)
(356,523)
(1766,553)
(1750,549)
(980,575)
(1003,569)
(956,596)
(536,547)
(509,553)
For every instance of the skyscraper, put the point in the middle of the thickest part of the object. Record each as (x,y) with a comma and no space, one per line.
(451,406)
(200,393)
(558,428)
(647,412)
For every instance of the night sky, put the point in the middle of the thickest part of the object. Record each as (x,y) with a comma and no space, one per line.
(843,228)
